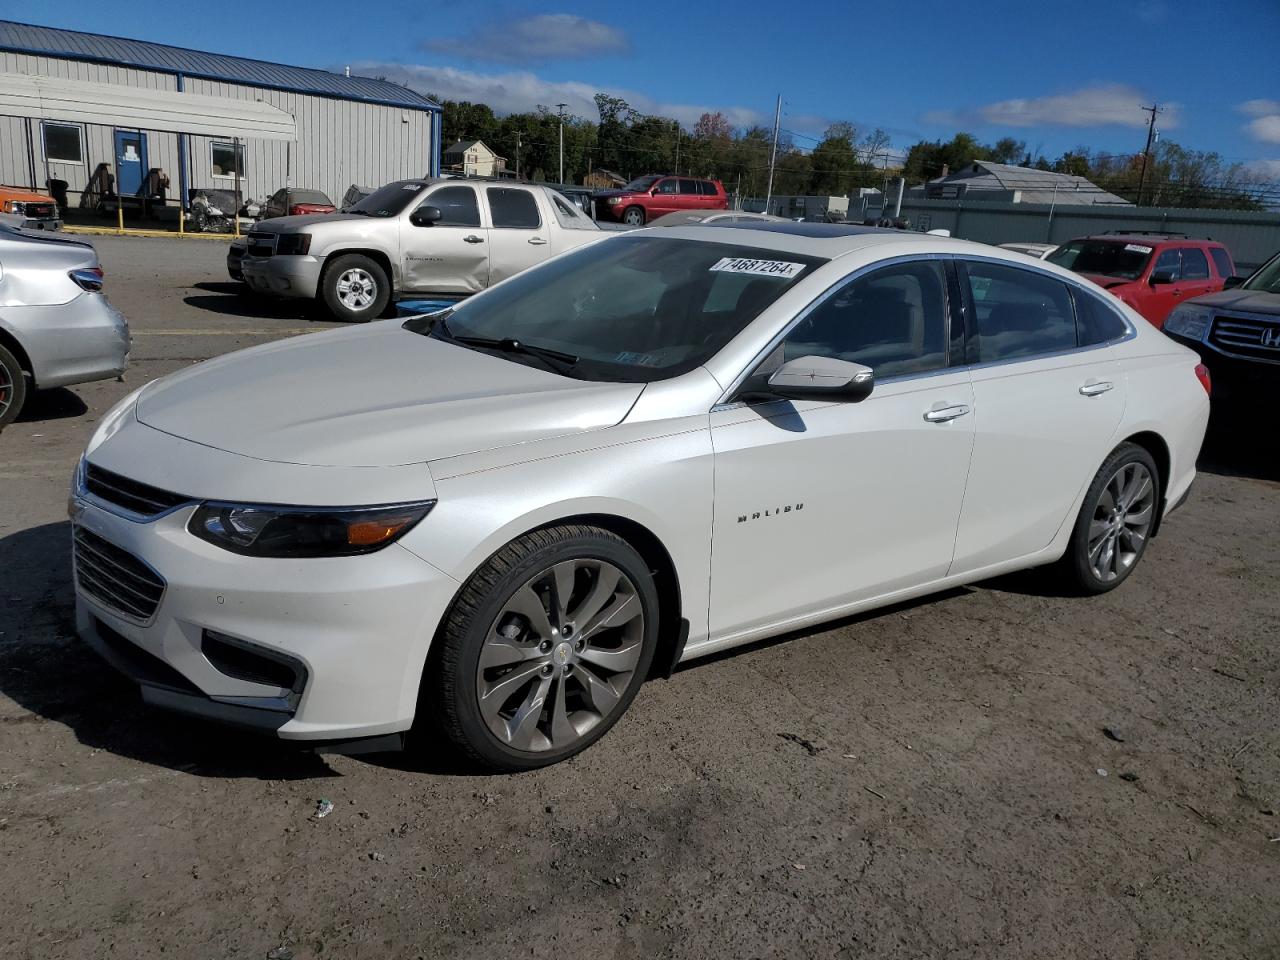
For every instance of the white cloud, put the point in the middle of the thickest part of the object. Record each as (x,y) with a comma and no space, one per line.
(1265,125)
(1103,105)
(536,39)
(1267,168)
(520,91)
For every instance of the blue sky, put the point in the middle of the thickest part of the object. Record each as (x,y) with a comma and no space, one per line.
(1054,75)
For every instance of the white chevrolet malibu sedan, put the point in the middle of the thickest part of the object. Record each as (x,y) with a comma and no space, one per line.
(492,523)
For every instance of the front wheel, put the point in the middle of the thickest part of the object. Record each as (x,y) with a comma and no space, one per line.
(1115,521)
(13,387)
(355,288)
(633,216)
(545,648)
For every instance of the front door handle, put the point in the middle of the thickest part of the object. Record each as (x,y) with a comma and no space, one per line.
(1096,388)
(473,239)
(945,414)
(537,241)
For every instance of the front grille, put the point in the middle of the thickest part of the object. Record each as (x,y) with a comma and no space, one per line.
(114,577)
(1247,337)
(140,498)
(261,244)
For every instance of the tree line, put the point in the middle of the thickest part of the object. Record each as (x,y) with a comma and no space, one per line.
(628,142)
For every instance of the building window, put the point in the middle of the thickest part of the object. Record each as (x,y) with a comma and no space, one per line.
(227,159)
(63,143)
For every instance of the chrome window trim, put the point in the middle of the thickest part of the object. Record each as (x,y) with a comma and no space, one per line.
(725,403)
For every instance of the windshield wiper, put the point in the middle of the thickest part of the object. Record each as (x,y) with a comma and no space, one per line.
(565,361)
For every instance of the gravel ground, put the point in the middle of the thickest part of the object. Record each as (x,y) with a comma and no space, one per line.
(932,780)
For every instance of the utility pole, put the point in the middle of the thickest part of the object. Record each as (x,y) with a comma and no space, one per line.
(1146,152)
(517,155)
(560,107)
(773,154)
(677,146)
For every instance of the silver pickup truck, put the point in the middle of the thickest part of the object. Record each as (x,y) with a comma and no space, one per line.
(411,237)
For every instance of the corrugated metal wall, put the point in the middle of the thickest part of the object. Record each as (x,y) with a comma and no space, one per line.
(340,142)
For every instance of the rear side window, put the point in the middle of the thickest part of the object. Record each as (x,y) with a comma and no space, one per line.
(1195,266)
(1096,322)
(1019,313)
(459,206)
(1222,260)
(514,209)
(689,186)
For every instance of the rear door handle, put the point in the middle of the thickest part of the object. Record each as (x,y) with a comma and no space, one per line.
(473,239)
(537,241)
(945,414)
(1096,388)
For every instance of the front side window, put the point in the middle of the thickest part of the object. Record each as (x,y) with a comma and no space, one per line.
(1169,263)
(227,159)
(458,206)
(63,143)
(1195,266)
(1105,258)
(667,186)
(514,209)
(629,309)
(1019,313)
(893,320)
(1222,260)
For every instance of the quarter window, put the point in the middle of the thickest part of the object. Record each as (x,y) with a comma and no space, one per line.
(707,188)
(1194,264)
(893,320)
(458,206)
(227,159)
(63,143)
(1096,322)
(1019,313)
(512,208)
(1222,260)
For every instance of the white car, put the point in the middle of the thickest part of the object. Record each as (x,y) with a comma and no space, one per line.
(496,521)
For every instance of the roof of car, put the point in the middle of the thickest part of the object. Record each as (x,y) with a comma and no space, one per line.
(1147,239)
(827,240)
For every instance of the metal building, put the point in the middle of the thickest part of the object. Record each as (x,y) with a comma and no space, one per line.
(70,102)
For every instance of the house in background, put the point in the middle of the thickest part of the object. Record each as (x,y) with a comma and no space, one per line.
(602,179)
(473,159)
(1003,182)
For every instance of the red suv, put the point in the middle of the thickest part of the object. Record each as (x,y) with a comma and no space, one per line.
(653,196)
(1151,272)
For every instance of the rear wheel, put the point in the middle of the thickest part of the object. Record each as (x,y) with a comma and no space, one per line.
(1115,521)
(545,648)
(13,387)
(355,288)
(633,216)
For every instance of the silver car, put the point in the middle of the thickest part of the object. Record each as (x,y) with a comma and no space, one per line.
(56,326)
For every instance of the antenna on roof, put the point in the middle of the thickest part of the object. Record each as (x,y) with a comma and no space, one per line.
(347,70)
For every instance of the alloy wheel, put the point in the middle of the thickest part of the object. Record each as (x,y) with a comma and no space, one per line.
(560,655)
(1121,521)
(357,289)
(6,390)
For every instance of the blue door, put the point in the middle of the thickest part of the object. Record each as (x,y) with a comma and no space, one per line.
(131,162)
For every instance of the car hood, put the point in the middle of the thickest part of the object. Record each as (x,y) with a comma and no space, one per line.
(1251,301)
(291,224)
(377,395)
(1105,282)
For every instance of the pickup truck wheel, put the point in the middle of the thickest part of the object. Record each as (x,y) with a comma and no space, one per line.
(355,288)
(633,216)
(13,387)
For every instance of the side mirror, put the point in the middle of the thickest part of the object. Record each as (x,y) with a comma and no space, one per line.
(1232,282)
(1164,275)
(818,378)
(425,216)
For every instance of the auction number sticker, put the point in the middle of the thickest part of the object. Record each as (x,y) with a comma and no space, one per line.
(1137,248)
(762,268)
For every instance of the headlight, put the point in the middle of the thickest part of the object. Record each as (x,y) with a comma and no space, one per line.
(293,244)
(614,201)
(1188,320)
(269,531)
(15,206)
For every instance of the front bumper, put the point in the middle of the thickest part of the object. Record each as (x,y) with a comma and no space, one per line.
(1234,378)
(49,224)
(358,629)
(285,276)
(80,341)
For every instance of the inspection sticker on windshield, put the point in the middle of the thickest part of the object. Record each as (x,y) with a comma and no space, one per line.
(1136,248)
(763,268)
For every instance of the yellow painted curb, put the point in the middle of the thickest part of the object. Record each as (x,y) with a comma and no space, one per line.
(130,232)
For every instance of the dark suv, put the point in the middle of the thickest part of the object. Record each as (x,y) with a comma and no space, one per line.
(1151,272)
(1237,334)
(648,198)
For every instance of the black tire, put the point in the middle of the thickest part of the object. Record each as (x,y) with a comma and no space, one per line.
(13,387)
(449,694)
(363,271)
(634,216)
(1077,564)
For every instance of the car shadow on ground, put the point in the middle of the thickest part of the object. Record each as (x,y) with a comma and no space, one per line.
(236,300)
(1240,445)
(57,404)
(48,671)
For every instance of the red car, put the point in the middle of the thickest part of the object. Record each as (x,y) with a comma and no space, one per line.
(296,202)
(656,195)
(1151,272)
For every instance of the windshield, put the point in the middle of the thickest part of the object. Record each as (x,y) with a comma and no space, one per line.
(1107,258)
(389,200)
(632,309)
(1267,279)
(307,196)
(641,184)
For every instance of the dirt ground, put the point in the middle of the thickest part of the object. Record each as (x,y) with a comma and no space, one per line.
(933,780)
